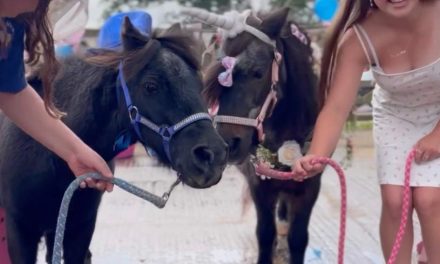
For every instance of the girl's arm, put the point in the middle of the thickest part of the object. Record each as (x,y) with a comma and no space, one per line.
(350,64)
(26,109)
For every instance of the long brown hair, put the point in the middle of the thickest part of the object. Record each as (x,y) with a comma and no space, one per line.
(40,45)
(350,12)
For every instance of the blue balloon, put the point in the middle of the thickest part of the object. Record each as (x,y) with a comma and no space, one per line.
(326,9)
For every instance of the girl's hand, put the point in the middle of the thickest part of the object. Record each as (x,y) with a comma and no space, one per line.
(86,160)
(305,168)
(427,148)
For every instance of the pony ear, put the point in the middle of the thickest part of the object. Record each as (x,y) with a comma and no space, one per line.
(273,22)
(131,37)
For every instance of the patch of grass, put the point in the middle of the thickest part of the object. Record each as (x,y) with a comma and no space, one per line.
(364,125)
(352,125)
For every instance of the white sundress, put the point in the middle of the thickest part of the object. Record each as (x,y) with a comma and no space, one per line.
(406,107)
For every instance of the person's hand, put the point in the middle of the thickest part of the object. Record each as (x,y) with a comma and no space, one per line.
(305,167)
(86,160)
(427,148)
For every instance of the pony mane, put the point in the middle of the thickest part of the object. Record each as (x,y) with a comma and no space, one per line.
(213,89)
(179,42)
(298,108)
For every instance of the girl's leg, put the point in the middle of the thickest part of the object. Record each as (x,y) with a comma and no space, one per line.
(390,221)
(427,205)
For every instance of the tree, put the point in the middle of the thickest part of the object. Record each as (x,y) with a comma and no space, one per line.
(213,5)
(124,5)
(294,4)
(300,10)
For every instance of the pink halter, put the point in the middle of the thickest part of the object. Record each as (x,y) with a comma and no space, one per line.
(271,99)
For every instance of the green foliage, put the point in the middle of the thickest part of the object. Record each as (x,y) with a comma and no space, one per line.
(208,4)
(294,4)
(300,11)
(214,5)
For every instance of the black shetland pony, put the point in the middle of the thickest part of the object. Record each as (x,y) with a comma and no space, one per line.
(292,118)
(165,85)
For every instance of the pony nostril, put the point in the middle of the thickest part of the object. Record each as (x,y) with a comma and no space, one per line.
(234,144)
(203,154)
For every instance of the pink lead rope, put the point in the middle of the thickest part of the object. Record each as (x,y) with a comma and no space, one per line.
(405,208)
(263,169)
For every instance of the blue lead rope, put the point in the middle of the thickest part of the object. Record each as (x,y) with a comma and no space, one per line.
(62,215)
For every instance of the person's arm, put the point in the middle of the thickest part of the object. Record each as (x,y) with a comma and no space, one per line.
(428,147)
(26,109)
(350,63)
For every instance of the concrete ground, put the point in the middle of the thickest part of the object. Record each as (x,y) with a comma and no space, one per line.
(210,226)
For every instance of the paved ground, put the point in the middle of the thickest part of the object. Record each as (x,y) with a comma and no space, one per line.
(210,226)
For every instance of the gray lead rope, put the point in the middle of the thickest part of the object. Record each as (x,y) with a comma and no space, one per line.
(62,216)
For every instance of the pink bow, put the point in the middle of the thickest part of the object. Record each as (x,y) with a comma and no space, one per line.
(225,78)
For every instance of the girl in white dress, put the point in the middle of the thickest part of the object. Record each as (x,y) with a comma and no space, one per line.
(400,41)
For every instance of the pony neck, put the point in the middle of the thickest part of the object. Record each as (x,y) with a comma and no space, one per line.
(97,118)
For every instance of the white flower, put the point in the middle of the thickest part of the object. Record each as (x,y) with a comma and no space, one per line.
(289,152)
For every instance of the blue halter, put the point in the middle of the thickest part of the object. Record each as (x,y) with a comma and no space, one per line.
(165,131)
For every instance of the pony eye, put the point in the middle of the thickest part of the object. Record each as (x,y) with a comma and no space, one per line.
(151,88)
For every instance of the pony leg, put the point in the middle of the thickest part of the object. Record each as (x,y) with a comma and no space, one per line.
(77,242)
(300,213)
(88,257)
(265,201)
(22,242)
(50,240)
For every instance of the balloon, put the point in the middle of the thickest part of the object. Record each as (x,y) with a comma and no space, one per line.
(326,9)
